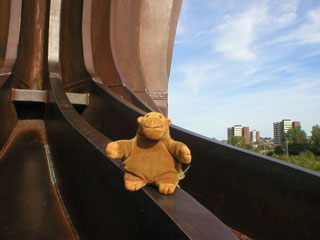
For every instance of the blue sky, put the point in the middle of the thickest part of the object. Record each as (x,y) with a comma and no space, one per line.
(245,62)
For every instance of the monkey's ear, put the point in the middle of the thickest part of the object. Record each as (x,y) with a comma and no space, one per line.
(169,121)
(139,119)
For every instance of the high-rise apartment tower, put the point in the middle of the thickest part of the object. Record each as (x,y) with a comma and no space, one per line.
(281,128)
(239,131)
(254,136)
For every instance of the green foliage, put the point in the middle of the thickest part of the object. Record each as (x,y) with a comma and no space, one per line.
(304,159)
(316,150)
(315,135)
(315,140)
(296,136)
(279,150)
(296,149)
(238,141)
(297,140)
(270,153)
(261,147)
(301,152)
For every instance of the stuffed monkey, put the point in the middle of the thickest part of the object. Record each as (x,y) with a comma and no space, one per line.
(149,157)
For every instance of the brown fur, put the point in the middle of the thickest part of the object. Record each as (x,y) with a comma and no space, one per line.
(148,158)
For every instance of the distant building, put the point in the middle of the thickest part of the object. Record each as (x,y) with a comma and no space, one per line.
(277,136)
(281,128)
(235,131)
(295,124)
(254,136)
(245,134)
(239,131)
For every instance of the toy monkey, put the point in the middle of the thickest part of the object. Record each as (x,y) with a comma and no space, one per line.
(148,158)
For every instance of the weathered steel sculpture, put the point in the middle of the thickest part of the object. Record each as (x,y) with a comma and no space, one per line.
(75,75)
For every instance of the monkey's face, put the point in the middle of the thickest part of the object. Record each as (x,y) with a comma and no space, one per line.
(154,125)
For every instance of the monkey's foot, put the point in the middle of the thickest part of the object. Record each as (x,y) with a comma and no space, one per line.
(166,188)
(133,185)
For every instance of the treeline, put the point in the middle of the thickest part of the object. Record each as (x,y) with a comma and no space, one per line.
(296,142)
(296,148)
(300,150)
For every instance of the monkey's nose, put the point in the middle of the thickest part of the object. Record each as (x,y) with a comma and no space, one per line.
(154,123)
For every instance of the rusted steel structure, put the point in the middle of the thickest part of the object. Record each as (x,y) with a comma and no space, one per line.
(75,75)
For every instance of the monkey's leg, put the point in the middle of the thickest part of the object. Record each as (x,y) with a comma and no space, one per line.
(132,182)
(167,182)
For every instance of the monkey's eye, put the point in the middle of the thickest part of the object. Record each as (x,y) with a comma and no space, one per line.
(147,116)
(160,116)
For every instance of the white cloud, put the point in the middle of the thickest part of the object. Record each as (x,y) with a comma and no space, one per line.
(182,26)
(307,33)
(288,6)
(312,54)
(282,13)
(250,71)
(236,36)
(285,19)
(196,74)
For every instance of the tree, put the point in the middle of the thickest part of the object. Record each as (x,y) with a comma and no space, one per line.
(315,135)
(278,150)
(261,147)
(296,149)
(315,140)
(238,141)
(296,136)
(270,153)
(297,140)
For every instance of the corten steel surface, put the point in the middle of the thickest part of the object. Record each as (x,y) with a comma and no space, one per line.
(92,186)
(93,192)
(23,95)
(28,69)
(10,12)
(121,37)
(96,44)
(146,29)
(254,194)
(30,207)
(9,34)
(88,53)
(158,21)
(124,34)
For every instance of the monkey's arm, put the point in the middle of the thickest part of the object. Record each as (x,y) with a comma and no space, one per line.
(119,149)
(180,151)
